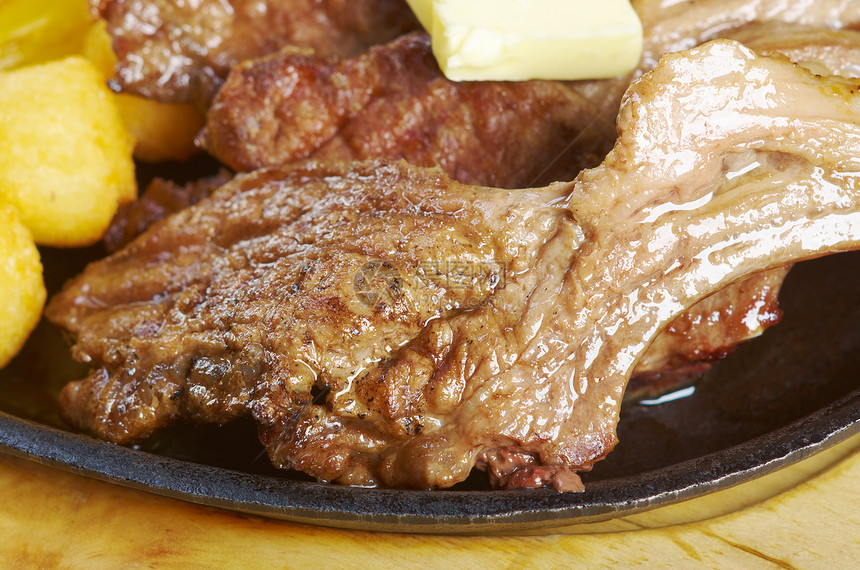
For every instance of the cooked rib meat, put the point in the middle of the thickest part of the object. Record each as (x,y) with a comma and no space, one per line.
(178,51)
(462,140)
(506,134)
(291,106)
(707,331)
(313,296)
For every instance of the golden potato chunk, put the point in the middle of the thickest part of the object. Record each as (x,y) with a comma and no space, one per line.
(22,293)
(35,32)
(66,162)
(162,131)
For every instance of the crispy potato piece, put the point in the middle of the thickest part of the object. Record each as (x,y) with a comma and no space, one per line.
(162,131)
(22,292)
(66,163)
(36,32)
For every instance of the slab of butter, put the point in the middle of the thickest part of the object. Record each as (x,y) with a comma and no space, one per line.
(532,39)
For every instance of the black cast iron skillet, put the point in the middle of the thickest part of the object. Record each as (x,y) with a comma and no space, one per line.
(776,400)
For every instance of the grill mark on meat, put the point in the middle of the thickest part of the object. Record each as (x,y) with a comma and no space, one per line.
(532,379)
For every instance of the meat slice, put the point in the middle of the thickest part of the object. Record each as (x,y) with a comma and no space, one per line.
(179,51)
(287,107)
(385,325)
(160,199)
(290,106)
(708,331)
(673,25)
(822,51)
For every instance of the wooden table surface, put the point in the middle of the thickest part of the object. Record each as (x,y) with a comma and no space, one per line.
(804,516)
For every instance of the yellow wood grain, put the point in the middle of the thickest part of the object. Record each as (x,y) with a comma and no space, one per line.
(50,518)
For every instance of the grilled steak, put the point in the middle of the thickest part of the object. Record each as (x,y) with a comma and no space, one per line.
(708,331)
(505,134)
(314,297)
(178,51)
(291,106)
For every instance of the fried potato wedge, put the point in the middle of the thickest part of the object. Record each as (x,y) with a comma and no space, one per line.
(22,292)
(36,32)
(67,162)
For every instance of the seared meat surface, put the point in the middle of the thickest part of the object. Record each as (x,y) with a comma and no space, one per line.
(822,51)
(287,107)
(672,25)
(179,51)
(386,325)
(160,199)
(707,331)
(505,134)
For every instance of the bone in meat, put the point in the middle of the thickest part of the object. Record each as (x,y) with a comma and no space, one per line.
(727,164)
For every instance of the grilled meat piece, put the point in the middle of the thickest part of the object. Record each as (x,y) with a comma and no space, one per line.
(707,331)
(160,199)
(670,25)
(505,134)
(288,107)
(313,296)
(178,51)
(822,51)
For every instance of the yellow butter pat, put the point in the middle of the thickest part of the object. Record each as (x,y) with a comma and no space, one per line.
(532,39)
